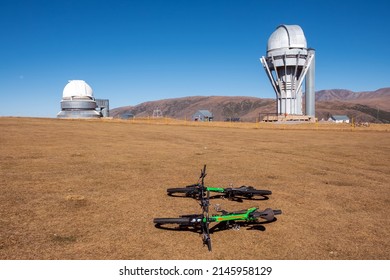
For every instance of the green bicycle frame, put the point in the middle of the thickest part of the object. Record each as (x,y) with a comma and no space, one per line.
(232,216)
(218,190)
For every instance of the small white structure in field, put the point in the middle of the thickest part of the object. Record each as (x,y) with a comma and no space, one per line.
(339,119)
(202,116)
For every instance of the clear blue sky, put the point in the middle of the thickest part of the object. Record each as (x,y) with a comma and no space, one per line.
(136,51)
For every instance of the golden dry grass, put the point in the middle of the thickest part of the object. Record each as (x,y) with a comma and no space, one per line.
(74,189)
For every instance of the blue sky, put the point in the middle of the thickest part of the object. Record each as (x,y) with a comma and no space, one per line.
(136,51)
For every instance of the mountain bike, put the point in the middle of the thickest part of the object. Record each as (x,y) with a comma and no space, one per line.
(243,191)
(194,190)
(225,220)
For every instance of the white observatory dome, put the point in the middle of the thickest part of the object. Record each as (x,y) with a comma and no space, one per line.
(77,88)
(287,36)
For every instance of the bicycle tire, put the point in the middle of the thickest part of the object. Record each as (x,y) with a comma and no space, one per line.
(258,192)
(248,192)
(187,191)
(179,221)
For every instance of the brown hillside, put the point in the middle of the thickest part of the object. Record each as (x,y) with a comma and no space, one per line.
(362,106)
(371,106)
(375,99)
(222,107)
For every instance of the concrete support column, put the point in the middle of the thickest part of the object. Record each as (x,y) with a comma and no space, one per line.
(310,86)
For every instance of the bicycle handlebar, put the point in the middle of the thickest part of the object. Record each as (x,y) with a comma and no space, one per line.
(277,212)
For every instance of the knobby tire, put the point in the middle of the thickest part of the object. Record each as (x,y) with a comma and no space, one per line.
(257,192)
(187,191)
(179,221)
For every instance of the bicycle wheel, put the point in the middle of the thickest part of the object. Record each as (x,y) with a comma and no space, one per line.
(179,221)
(188,191)
(249,191)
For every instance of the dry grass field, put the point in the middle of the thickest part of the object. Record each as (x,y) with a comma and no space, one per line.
(78,189)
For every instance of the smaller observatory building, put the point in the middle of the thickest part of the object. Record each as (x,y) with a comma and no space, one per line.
(78,102)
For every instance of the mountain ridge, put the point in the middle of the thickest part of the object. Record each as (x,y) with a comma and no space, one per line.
(371,106)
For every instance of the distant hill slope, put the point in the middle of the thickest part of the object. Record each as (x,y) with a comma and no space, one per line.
(347,95)
(372,106)
(222,107)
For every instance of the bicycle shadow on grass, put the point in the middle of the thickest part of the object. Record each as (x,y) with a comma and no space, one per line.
(241,225)
(218,227)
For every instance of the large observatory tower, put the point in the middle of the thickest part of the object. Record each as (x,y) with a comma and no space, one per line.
(78,101)
(287,63)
